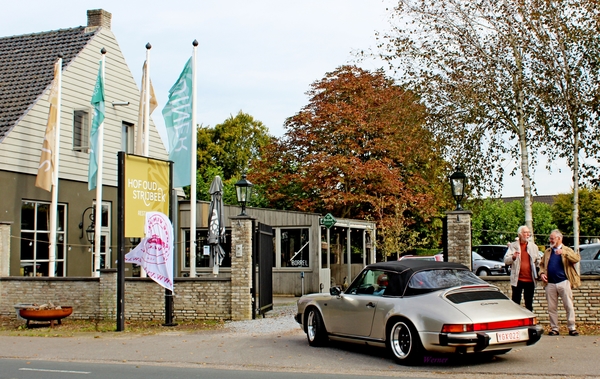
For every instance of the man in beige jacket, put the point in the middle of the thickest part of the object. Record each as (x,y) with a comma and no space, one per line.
(559,276)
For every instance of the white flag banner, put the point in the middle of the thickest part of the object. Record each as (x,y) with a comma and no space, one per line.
(155,252)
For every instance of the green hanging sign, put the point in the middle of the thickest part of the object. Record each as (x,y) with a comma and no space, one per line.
(328,221)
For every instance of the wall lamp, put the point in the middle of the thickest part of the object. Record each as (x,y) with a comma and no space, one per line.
(120,103)
(89,232)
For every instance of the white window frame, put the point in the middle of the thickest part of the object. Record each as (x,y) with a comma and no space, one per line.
(61,237)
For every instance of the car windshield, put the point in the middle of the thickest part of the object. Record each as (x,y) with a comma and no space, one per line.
(440,279)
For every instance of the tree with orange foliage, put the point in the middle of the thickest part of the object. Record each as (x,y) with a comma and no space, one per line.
(360,150)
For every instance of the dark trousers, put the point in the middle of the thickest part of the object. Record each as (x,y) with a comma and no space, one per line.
(527,289)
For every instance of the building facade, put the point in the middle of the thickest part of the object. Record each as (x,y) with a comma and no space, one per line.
(26,72)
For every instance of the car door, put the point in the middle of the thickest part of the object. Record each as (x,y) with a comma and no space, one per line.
(351,313)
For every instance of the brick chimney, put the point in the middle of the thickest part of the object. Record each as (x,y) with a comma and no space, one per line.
(98,18)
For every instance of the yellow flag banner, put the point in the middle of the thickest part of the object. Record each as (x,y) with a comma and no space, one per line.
(46,167)
(143,125)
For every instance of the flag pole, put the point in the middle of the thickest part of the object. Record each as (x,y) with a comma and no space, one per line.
(193,165)
(55,148)
(146,117)
(146,85)
(98,210)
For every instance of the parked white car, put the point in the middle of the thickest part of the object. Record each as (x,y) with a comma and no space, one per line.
(487,267)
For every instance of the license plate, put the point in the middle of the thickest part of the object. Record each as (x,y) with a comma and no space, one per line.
(513,335)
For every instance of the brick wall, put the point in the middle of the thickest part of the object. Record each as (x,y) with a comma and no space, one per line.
(80,293)
(95,298)
(585,298)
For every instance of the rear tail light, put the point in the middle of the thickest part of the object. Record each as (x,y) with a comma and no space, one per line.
(509,324)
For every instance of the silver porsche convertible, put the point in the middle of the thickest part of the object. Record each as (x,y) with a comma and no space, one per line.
(416,306)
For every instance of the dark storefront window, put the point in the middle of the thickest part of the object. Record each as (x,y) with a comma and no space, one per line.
(295,247)
(203,260)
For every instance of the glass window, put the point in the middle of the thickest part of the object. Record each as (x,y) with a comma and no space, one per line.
(294,247)
(370,282)
(35,239)
(202,260)
(128,140)
(439,279)
(81,130)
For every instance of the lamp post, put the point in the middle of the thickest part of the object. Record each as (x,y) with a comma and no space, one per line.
(243,190)
(89,231)
(458,183)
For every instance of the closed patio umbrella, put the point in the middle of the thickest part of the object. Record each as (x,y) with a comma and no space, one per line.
(216,223)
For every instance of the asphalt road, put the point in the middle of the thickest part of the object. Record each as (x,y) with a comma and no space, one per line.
(288,351)
(20,369)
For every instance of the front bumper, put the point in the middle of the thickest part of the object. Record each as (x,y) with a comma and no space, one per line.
(298,318)
(483,340)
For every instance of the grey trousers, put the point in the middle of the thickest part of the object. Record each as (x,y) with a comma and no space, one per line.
(553,291)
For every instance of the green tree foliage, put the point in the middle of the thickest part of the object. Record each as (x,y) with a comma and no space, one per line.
(359,150)
(496,222)
(589,216)
(508,76)
(227,150)
(465,59)
(565,67)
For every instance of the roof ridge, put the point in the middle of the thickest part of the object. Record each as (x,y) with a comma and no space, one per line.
(75,28)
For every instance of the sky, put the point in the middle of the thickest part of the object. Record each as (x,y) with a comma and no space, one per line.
(255,56)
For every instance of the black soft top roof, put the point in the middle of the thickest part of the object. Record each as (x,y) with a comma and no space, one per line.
(402,271)
(415,265)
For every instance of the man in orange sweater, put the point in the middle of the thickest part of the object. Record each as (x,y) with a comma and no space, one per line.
(523,256)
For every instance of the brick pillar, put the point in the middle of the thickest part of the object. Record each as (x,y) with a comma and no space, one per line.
(241,268)
(5,249)
(459,237)
(107,293)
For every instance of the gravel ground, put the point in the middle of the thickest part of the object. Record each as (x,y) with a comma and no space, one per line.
(279,320)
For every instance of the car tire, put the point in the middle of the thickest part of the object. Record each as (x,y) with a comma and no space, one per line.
(315,329)
(404,342)
(483,272)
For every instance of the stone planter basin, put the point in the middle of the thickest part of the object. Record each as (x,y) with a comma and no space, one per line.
(31,314)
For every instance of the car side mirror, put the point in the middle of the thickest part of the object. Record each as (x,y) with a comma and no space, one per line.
(335,291)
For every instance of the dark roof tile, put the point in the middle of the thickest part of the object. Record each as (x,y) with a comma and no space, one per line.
(26,68)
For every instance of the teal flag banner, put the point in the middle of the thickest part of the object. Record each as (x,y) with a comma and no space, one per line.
(98,118)
(178,122)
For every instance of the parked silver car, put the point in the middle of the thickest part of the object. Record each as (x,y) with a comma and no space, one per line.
(487,267)
(590,259)
(417,306)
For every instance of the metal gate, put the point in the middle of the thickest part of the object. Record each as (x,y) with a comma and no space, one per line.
(262,261)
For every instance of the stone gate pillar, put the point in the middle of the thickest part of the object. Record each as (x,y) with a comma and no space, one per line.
(241,267)
(459,237)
